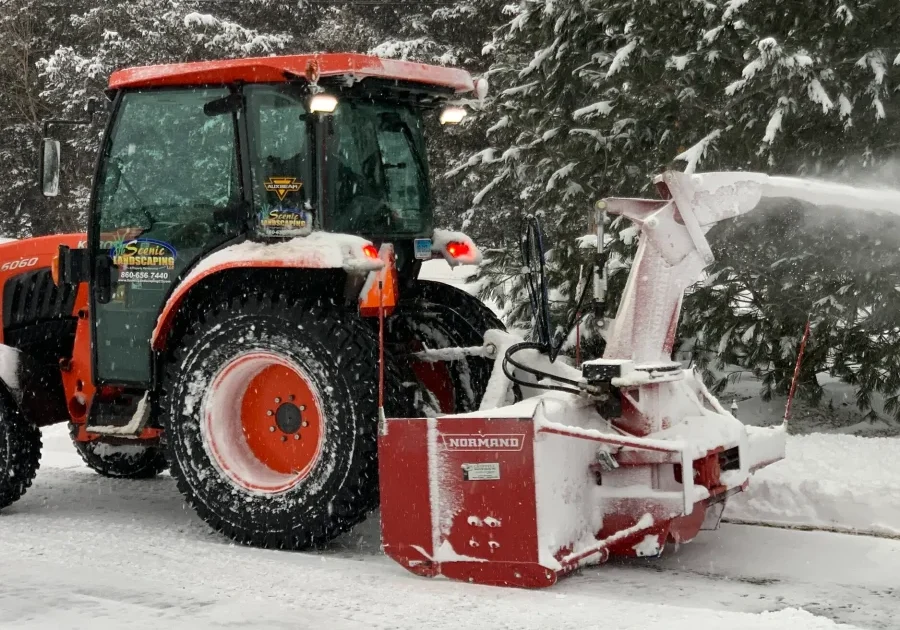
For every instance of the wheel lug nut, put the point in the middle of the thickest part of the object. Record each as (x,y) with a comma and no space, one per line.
(296,436)
(302,407)
(270,413)
(284,438)
(277,399)
(304,423)
(291,397)
(271,429)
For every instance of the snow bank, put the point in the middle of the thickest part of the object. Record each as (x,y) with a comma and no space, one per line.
(840,482)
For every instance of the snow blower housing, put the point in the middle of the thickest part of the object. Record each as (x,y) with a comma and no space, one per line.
(634,452)
(636,455)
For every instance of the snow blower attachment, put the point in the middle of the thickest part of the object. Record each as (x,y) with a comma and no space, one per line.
(619,458)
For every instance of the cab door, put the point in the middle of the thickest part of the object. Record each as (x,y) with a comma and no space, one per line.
(169,190)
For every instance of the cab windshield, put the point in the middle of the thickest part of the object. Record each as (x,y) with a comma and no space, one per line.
(377,172)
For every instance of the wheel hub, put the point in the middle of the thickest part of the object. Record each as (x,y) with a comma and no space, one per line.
(264,423)
(288,418)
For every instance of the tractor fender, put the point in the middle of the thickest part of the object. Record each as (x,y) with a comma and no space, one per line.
(37,392)
(319,250)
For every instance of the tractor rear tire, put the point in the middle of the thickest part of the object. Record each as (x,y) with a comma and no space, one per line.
(269,408)
(121,462)
(20,451)
(437,315)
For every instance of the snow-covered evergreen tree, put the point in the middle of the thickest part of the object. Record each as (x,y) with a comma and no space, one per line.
(595,96)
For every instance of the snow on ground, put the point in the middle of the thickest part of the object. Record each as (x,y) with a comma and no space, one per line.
(81,551)
(837,413)
(830,481)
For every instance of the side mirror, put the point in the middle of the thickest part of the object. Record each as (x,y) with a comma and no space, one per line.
(49,167)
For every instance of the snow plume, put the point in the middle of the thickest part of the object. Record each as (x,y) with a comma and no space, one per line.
(883,175)
(696,153)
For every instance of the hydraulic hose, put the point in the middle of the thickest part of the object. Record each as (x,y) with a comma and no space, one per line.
(534,263)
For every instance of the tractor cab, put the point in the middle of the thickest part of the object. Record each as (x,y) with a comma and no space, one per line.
(199,156)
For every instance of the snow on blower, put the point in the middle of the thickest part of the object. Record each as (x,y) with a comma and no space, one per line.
(246,309)
(621,457)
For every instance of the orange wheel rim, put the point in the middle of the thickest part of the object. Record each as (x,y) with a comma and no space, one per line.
(281,420)
(263,423)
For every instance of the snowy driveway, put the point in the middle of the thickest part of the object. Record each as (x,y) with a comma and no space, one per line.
(82,551)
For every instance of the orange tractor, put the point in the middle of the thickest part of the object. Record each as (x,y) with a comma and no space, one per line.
(213,309)
(246,310)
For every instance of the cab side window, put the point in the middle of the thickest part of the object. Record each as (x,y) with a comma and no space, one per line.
(169,164)
(280,160)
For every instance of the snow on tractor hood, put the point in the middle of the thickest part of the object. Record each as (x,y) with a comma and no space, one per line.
(319,250)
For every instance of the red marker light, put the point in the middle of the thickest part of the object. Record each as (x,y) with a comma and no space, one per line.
(370,251)
(457,249)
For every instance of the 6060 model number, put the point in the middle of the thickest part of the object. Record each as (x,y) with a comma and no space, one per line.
(19,264)
(145,276)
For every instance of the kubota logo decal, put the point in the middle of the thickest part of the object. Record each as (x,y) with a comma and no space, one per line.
(281,186)
(493,442)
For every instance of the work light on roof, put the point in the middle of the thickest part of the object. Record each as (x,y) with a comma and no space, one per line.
(452,115)
(323,104)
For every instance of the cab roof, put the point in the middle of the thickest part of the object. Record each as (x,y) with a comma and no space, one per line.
(282,69)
